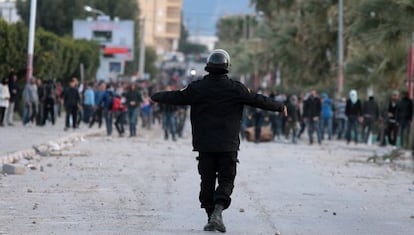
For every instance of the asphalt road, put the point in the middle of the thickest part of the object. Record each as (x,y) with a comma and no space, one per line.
(146,185)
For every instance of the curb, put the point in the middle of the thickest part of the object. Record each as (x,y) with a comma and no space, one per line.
(30,153)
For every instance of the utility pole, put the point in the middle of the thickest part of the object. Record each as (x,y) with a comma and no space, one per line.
(141,66)
(340,47)
(30,47)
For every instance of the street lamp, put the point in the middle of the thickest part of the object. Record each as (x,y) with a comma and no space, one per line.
(93,10)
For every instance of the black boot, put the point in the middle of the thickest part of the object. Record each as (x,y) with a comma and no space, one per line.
(216,219)
(209,226)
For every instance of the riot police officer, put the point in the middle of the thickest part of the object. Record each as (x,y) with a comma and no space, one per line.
(216,113)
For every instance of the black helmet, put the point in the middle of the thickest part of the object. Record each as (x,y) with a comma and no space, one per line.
(218,62)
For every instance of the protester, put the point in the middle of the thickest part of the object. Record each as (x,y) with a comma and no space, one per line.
(370,114)
(119,111)
(340,117)
(49,103)
(392,124)
(13,90)
(71,100)
(31,102)
(42,100)
(59,98)
(133,100)
(292,118)
(181,119)
(312,112)
(169,119)
(302,123)
(404,117)
(327,116)
(4,99)
(146,111)
(99,105)
(258,116)
(353,111)
(107,108)
(277,126)
(88,102)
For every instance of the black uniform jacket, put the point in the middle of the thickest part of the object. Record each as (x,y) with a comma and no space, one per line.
(216,110)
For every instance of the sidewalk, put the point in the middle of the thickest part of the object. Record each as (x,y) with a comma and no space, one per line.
(17,141)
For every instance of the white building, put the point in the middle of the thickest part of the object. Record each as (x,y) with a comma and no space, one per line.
(116,40)
(8,11)
(208,41)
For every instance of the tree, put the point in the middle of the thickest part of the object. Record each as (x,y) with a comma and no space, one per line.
(300,37)
(54,57)
(150,59)
(380,34)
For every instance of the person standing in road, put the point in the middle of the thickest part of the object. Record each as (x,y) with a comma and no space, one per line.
(49,103)
(404,117)
(340,117)
(312,108)
(4,99)
(13,90)
(88,102)
(31,101)
(216,112)
(392,124)
(99,106)
(146,111)
(133,101)
(292,118)
(107,100)
(71,100)
(371,114)
(42,100)
(169,119)
(327,116)
(353,111)
(119,111)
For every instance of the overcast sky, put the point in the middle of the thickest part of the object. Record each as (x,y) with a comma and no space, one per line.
(200,16)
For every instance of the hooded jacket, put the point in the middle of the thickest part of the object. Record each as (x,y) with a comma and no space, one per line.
(353,106)
(327,106)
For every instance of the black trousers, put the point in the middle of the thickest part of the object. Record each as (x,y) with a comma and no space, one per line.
(71,111)
(119,122)
(217,167)
(96,117)
(49,110)
(2,114)
(392,133)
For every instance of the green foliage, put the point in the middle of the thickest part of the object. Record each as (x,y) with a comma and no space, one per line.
(300,38)
(54,57)
(150,59)
(379,37)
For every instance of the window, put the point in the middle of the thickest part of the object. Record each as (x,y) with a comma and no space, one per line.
(115,67)
(102,36)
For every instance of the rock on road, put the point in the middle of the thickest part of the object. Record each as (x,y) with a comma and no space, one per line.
(146,185)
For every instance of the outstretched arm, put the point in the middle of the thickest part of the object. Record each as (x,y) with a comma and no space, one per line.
(263,102)
(181,97)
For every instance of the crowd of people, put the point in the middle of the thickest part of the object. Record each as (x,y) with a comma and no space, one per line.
(124,103)
(116,104)
(344,118)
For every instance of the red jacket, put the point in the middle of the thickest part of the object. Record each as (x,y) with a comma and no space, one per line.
(117,104)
